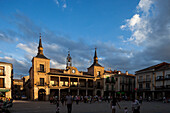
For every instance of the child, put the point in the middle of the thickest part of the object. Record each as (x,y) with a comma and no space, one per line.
(126,110)
(57,107)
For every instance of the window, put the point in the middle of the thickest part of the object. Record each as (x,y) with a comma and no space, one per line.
(122,87)
(107,87)
(2,83)
(140,86)
(41,67)
(41,81)
(98,73)
(107,79)
(168,76)
(147,85)
(113,80)
(2,70)
(112,87)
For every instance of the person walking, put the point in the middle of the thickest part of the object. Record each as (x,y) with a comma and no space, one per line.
(135,106)
(113,104)
(69,101)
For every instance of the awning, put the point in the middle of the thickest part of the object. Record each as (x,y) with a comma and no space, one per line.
(4,90)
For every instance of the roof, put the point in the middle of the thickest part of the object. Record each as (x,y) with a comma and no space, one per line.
(41,56)
(19,80)
(5,63)
(95,64)
(155,67)
(53,70)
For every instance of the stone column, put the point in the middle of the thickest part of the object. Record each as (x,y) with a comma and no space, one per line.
(153,96)
(59,93)
(78,83)
(86,86)
(47,93)
(143,95)
(59,81)
(69,83)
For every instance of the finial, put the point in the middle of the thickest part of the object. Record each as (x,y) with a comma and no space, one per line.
(40,35)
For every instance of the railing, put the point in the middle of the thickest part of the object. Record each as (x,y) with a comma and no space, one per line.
(140,80)
(107,81)
(39,84)
(42,71)
(99,87)
(90,86)
(148,79)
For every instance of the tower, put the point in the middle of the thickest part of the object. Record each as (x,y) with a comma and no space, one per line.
(96,69)
(69,60)
(38,71)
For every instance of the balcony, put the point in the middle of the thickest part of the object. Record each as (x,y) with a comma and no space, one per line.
(148,79)
(73,85)
(108,81)
(140,80)
(99,87)
(40,84)
(159,78)
(41,70)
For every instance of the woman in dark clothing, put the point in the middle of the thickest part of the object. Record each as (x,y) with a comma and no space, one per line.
(113,104)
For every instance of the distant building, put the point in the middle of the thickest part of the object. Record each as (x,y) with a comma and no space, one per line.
(17,88)
(154,81)
(6,76)
(122,84)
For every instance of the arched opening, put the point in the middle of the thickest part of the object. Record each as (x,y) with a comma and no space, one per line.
(41,95)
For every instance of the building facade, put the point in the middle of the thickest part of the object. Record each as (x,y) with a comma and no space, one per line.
(154,81)
(121,84)
(17,88)
(6,77)
(45,82)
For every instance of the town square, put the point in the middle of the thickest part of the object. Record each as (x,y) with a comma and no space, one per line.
(84,56)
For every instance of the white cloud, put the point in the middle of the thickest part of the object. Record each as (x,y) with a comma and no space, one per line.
(55,64)
(64,5)
(56,1)
(31,49)
(145,6)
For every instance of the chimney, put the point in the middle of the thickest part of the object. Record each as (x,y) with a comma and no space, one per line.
(126,72)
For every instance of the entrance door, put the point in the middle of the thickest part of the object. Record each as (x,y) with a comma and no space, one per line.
(41,95)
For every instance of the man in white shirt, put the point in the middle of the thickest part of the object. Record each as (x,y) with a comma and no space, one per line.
(69,101)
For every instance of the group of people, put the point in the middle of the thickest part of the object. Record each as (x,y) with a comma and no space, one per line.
(68,100)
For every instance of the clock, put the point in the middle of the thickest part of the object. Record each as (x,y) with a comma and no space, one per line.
(73,71)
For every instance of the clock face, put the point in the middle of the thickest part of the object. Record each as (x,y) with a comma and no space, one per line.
(73,71)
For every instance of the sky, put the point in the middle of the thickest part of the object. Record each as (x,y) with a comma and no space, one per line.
(129,34)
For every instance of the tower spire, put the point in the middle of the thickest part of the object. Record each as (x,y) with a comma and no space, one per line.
(40,48)
(69,63)
(95,56)
(40,43)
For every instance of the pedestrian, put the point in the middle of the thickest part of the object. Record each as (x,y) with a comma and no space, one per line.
(113,104)
(126,110)
(135,106)
(69,101)
(164,99)
(140,99)
(57,107)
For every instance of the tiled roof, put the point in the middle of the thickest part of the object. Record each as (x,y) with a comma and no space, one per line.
(157,66)
(95,64)
(41,56)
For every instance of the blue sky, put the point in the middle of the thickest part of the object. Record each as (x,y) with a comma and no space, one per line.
(125,32)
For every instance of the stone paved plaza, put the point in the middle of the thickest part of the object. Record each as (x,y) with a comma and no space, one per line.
(104,107)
